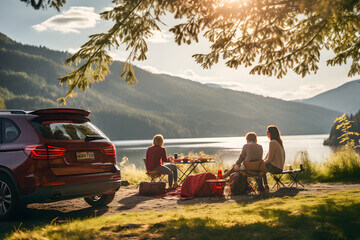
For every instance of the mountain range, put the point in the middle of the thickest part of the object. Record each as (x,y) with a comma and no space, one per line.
(344,99)
(159,103)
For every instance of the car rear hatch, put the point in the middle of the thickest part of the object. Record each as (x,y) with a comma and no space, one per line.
(71,144)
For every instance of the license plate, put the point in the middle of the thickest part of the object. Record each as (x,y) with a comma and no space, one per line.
(85,156)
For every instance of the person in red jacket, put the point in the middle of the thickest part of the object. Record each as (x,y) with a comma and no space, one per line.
(155,158)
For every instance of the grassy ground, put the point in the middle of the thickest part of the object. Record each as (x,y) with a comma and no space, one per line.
(328,216)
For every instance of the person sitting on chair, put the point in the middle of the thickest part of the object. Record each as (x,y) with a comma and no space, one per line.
(251,152)
(275,158)
(155,158)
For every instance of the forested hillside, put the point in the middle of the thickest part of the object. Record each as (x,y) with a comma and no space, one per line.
(159,103)
(345,99)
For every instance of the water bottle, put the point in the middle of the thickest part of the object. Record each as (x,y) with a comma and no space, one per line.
(227,191)
(288,166)
(219,174)
(219,186)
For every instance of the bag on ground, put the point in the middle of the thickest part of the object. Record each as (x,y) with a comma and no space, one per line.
(152,188)
(238,183)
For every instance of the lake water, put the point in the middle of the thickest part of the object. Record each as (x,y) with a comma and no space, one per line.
(226,148)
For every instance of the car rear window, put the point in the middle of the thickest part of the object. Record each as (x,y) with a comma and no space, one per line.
(66,130)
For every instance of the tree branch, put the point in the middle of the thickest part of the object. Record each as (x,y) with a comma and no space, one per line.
(302,47)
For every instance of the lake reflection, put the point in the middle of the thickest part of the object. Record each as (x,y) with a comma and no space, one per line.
(228,148)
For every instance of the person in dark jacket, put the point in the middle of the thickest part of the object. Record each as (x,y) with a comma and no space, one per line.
(155,159)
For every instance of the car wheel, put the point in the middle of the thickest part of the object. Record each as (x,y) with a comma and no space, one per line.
(10,205)
(100,200)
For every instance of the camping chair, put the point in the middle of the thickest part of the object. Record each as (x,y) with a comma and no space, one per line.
(253,171)
(155,176)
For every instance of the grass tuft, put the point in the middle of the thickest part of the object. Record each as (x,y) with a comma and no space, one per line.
(342,166)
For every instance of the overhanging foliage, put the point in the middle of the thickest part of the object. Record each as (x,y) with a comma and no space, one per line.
(270,36)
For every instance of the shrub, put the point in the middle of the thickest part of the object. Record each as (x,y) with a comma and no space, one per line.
(343,165)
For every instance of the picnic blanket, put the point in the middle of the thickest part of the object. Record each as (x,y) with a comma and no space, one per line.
(196,186)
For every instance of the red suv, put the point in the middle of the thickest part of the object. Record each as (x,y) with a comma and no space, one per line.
(54,154)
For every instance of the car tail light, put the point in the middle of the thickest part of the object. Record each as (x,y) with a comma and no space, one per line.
(57,121)
(44,152)
(66,110)
(110,151)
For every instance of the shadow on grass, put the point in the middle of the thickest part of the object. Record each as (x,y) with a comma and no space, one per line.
(132,201)
(326,221)
(40,217)
(286,191)
(245,198)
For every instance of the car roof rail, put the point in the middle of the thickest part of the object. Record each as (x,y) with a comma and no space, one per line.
(13,111)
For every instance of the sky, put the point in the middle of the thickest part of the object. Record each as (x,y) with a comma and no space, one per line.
(68,29)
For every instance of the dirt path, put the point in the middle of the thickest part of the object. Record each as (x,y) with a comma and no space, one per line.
(127,200)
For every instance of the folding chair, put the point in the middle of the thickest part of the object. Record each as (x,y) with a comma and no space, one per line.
(253,176)
(253,171)
(154,175)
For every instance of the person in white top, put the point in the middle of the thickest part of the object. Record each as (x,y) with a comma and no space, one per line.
(275,158)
